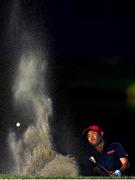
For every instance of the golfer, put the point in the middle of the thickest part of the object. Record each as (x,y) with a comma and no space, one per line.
(111,156)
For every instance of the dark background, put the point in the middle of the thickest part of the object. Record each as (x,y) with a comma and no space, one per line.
(91,77)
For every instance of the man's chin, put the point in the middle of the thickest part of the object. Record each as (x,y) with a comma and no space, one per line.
(94,144)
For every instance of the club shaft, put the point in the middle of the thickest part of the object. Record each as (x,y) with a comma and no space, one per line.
(107,171)
(99,165)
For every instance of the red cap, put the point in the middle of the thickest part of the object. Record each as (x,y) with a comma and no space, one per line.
(94,128)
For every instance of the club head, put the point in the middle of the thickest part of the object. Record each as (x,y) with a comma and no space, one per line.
(92,159)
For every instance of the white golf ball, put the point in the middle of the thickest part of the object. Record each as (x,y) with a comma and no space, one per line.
(18,124)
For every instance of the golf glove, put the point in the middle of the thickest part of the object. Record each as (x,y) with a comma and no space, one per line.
(117,173)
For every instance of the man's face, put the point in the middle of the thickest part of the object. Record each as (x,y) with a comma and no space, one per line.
(94,137)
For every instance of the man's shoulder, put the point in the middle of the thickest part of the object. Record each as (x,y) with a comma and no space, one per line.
(114,145)
(116,148)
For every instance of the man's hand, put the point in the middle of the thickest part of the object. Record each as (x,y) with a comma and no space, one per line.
(117,173)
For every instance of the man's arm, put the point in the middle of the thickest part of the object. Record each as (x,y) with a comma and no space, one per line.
(123,157)
(125,164)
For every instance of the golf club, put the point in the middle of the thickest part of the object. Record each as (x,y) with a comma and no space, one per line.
(92,159)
